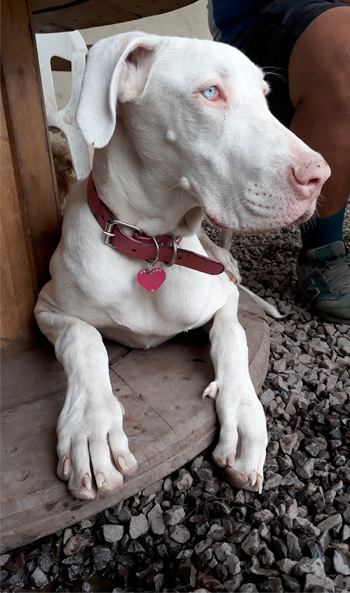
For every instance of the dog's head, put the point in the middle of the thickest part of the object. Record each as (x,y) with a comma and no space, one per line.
(197,114)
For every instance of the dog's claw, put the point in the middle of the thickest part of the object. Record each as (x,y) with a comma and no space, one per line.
(100,479)
(86,481)
(122,463)
(252,477)
(67,467)
(211,391)
(259,483)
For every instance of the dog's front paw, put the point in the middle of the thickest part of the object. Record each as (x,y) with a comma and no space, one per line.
(93,449)
(241,449)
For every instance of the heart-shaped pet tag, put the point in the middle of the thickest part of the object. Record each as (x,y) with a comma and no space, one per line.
(151,280)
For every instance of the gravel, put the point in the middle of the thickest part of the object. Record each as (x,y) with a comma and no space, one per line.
(192,531)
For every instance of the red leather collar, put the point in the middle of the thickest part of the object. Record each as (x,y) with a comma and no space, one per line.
(161,248)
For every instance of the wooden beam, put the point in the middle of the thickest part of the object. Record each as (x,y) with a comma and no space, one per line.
(28,134)
(17,264)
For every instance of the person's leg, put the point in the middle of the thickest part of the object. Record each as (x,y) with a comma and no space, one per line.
(307,42)
(319,89)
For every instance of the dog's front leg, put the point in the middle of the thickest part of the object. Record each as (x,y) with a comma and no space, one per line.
(223,255)
(93,452)
(243,436)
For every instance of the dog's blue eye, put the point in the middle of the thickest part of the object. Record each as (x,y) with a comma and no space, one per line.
(211,93)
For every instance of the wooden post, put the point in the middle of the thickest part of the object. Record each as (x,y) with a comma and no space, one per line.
(30,216)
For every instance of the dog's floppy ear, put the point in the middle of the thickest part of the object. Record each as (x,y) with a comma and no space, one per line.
(117,69)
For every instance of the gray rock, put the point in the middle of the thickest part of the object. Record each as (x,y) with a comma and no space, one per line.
(291,584)
(159,582)
(314,583)
(4,558)
(341,562)
(264,532)
(101,557)
(267,396)
(248,588)
(324,540)
(184,554)
(222,551)
(45,562)
(180,534)
(216,532)
(312,566)
(273,584)
(251,544)
(264,515)
(267,558)
(202,545)
(155,519)
(273,481)
(184,481)
(233,583)
(293,546)
(206,556)
(76,544)
(279,366)
(39,578)
(168,485)
(342,583)
(306,470)
(305,525)
(138,526)
(345,532)
(331,522)
(212,487)
(233,564)
(286,565)
(288,443)
(124,515)
(292,510)
(174,515)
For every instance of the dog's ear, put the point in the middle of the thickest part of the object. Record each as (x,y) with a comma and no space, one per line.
(117,69)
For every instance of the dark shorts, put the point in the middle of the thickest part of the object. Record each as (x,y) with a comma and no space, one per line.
(270,40)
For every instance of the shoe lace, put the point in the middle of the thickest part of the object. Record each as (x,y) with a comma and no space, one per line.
(336,273)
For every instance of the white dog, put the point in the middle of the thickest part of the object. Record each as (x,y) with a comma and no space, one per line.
(181,130)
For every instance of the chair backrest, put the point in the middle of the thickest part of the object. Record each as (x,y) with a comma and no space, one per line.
(70,46)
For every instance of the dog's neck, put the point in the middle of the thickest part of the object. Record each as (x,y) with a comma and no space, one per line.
(138,195)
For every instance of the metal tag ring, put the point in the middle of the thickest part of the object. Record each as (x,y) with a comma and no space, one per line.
(173,259)
(154,261)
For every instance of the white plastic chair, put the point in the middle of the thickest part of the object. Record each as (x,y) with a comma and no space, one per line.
(70,46)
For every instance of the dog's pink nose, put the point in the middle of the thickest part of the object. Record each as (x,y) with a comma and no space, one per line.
(309,176)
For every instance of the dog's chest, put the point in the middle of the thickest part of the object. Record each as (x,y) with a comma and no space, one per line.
(104,292)
(139,318)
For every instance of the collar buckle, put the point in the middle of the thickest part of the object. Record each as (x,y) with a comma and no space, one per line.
(107,234)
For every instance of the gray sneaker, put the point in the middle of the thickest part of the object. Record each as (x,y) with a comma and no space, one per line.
(325,280)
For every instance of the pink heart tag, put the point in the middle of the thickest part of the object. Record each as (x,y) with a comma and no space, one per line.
(152,280)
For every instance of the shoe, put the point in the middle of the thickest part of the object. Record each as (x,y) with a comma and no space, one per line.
(325,280)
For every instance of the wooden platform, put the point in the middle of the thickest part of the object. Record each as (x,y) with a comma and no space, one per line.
(166,419)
